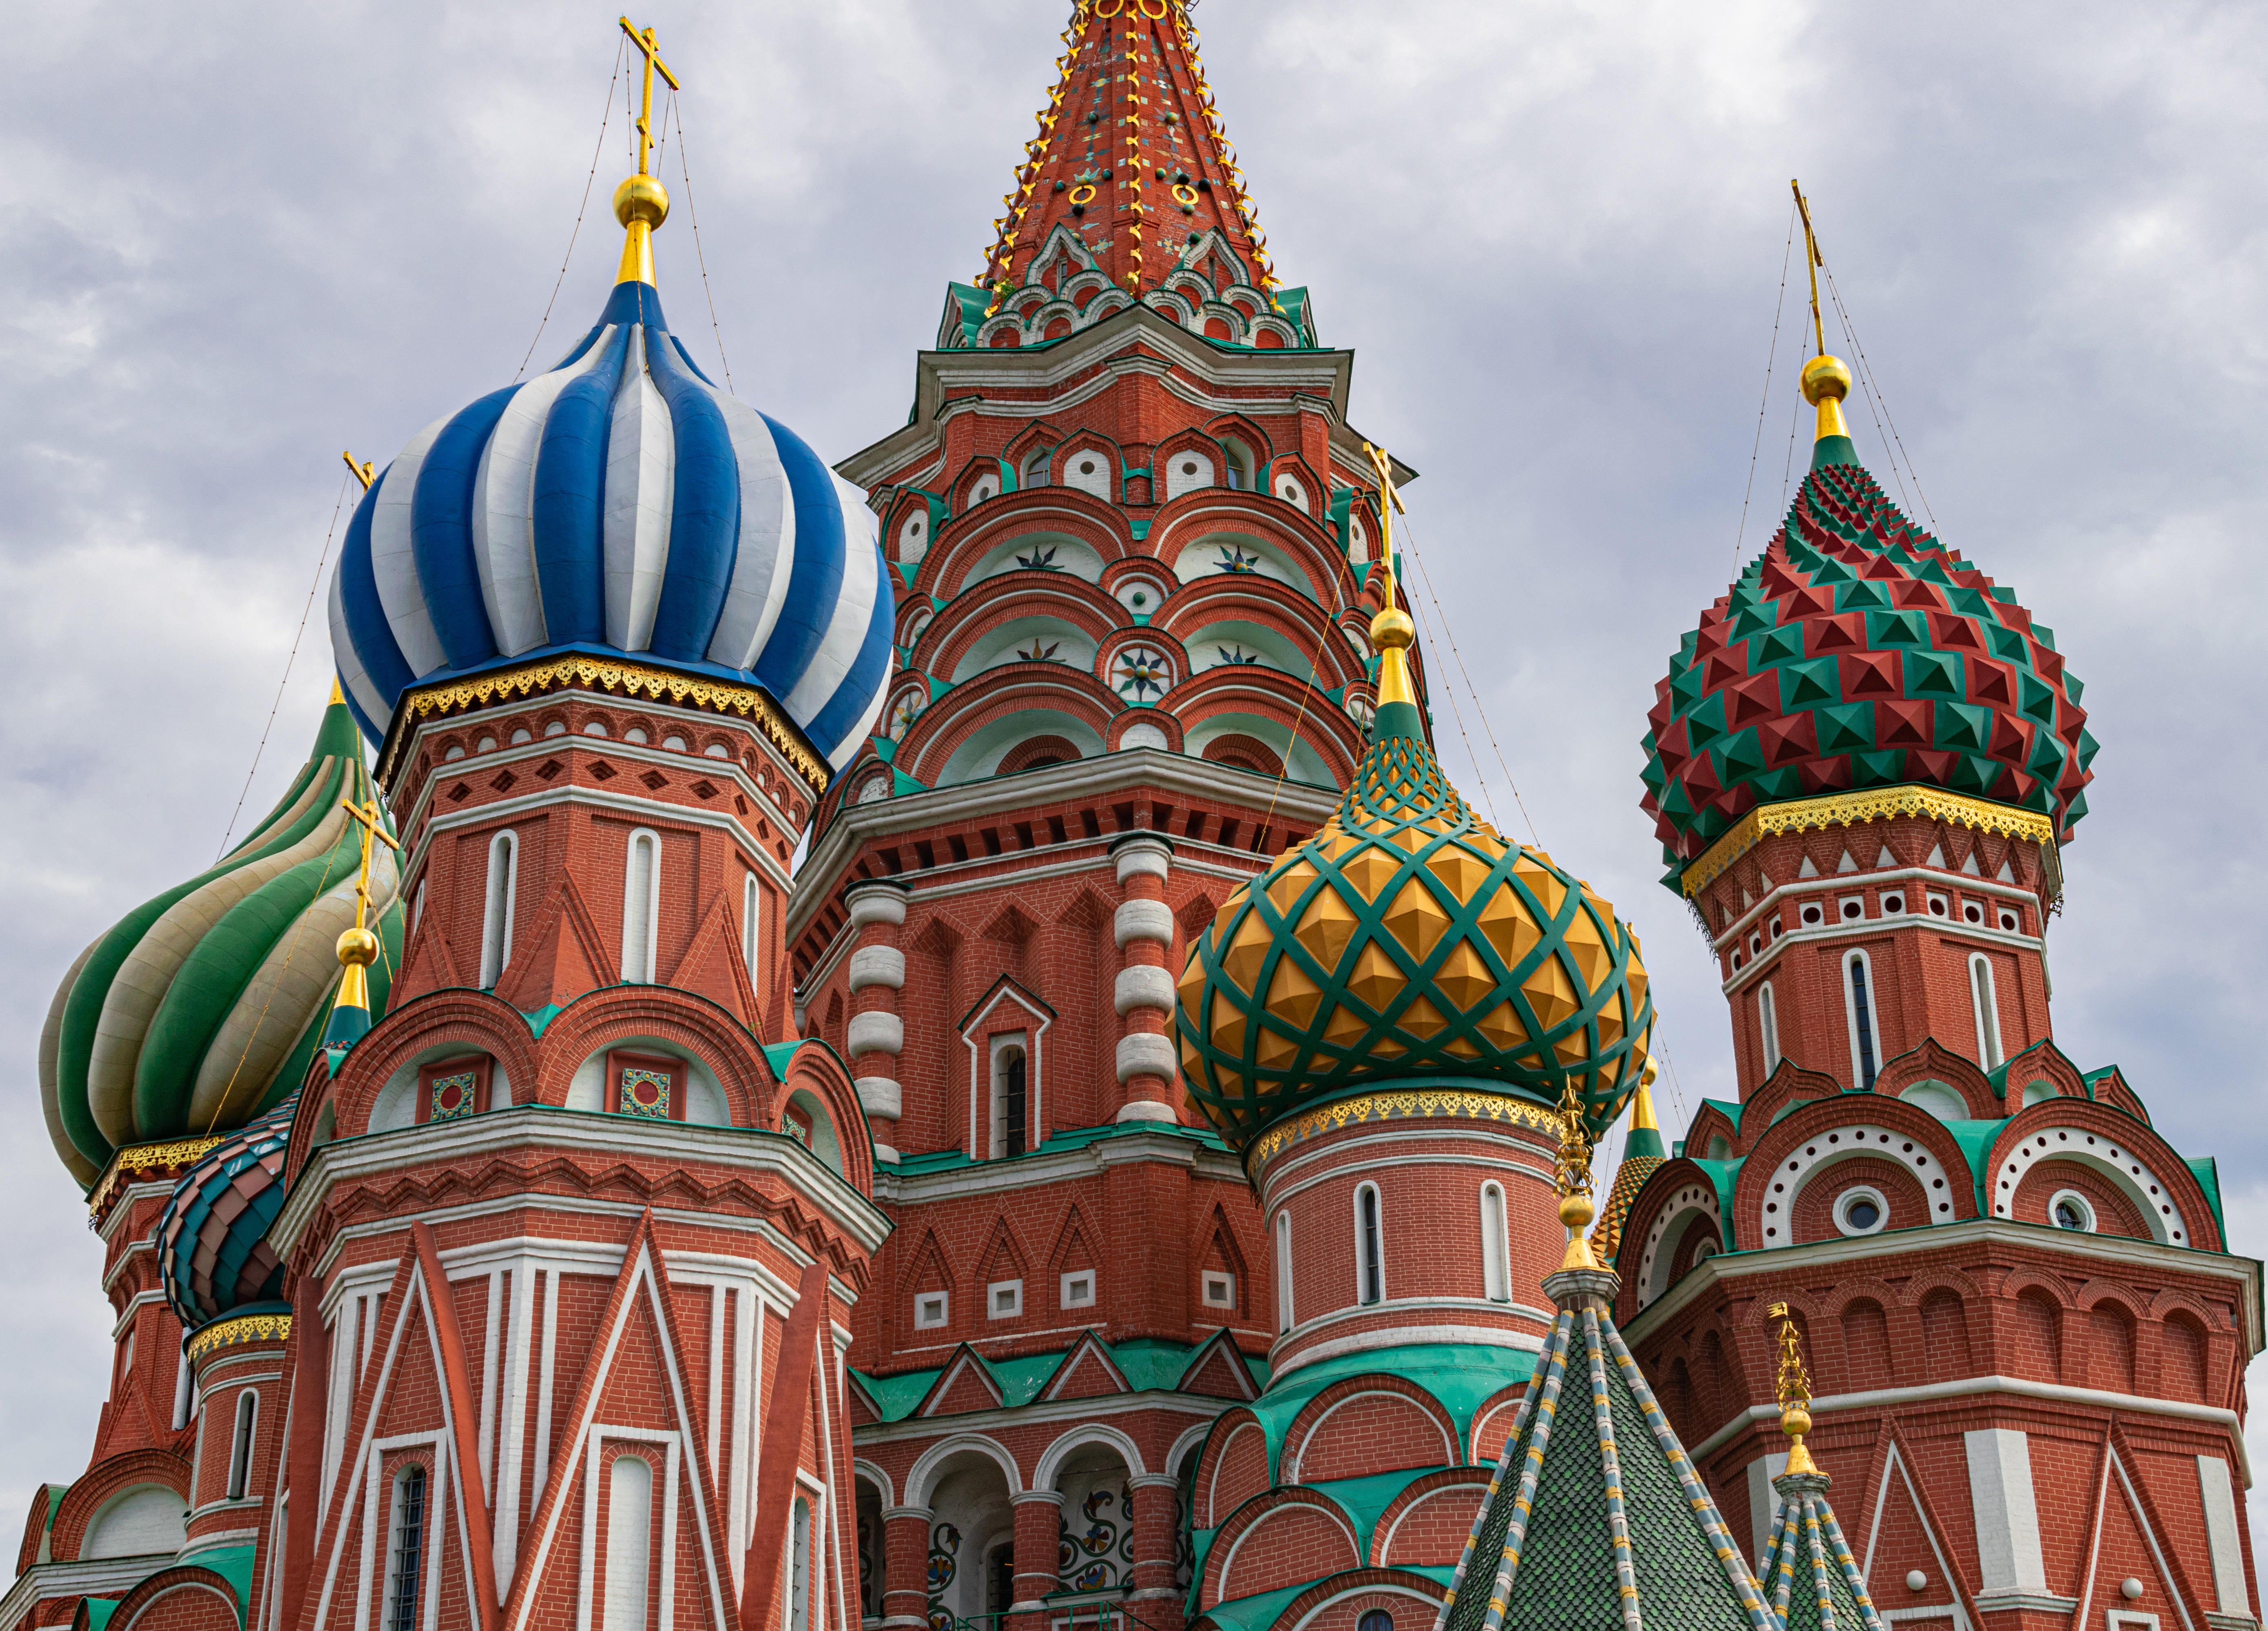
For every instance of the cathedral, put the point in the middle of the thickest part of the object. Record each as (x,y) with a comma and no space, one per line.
(923,1044)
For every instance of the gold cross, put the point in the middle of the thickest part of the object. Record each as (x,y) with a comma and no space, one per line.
(367,817)
(364,471)
(1811,262)
(652,50)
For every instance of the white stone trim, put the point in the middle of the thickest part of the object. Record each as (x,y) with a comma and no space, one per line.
(1145,985)
(2151,1194)
(879,1096)
(1143,920)
(876,1032)
(1145,1053)
(877,965)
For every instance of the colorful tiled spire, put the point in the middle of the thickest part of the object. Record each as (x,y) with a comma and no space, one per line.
(1597,1518)
(1642,1152)
(1813,1580)
(1131,157)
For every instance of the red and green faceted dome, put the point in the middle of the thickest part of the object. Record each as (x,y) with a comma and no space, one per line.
(1859,651)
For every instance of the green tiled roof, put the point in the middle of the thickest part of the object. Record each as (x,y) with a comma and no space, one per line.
(1596,1504)
(1813,1580)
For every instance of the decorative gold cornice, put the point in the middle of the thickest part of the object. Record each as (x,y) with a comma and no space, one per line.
(136,1158)
(244,1329)
(1476,1106)
(586,674)
(1878,803)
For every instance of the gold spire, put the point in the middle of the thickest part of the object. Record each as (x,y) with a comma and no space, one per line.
(1826,380)
(1641,1115)
(359,946)
(641,202)
(1391,631)
(1793,1392)
(337,695)
(1572,1179)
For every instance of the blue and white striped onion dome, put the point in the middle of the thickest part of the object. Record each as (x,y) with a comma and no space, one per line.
(619,505)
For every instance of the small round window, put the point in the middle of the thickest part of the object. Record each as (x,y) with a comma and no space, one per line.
(1861,1211)
(2068,1208)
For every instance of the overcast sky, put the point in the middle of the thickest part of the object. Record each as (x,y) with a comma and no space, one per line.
(240,240)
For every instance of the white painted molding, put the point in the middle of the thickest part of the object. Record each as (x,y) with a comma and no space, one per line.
(877,1033)
(1144,857)
(1143,920)
(1145,1055)
(1145,1110)
(879,1096)
(1145,985)
(876,903)
(877,966)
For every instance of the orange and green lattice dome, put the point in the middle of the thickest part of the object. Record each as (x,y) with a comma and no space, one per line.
(1407,942)
(1859,651)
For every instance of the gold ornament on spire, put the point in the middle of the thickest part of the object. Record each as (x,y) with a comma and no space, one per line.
(364,472)
(359,947)
(1641,1119)
(641,202)
(1793,1392)
(1826,380)
(1571,1177)
(1391,631)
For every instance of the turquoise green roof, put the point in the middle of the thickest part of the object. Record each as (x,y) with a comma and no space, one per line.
(1149,1364)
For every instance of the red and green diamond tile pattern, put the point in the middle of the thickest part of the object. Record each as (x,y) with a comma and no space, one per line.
(1859,651)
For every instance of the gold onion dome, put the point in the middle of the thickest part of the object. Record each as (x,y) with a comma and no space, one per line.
(1408,941)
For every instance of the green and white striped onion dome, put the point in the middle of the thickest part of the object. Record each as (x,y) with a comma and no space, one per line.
(1408,941)
(202,1007)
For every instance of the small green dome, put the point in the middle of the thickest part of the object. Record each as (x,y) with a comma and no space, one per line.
(201,1008)
(1407,941)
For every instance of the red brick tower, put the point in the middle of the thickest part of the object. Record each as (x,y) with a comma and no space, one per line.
(1129,534)
(2029,1336)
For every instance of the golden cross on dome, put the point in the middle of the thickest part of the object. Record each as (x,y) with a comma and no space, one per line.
(1811,262)
(364,472)
(650,48)
(368,817)
(1792,1390)
(1391,631)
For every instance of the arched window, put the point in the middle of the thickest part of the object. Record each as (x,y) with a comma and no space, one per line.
(1036,469)
(1496,1258)
(1988,1011)
(752,901)
(1370,1270)
(1011,1095)
(495,914)
(1768,1019)
(629,1541)
(798,1569)
(1240,466)
(1376,1619)
(1858,1004)
(641,906)
(1283,1315)
(405,1562)
(239,1444)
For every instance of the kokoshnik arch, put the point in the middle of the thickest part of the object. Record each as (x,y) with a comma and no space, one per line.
(1136,1171)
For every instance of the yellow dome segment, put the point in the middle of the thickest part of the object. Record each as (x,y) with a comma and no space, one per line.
(1408,940)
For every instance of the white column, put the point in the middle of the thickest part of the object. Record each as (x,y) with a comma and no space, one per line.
(2221,1534)
(2008,1553)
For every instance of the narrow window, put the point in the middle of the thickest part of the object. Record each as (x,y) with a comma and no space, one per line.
(408,1561)
(1768,1014)
(496,915)
(239,1445)
(1010,1095)
(751,920)
(629,1530)
(1370,1275)
(1496,1261)
(1861,1003)
(640,908)
(1376,1619)
(1035,469)
(1283,1315)
(417,908)
(1988,1011)
(798,1569)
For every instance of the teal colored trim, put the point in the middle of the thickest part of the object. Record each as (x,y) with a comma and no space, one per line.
(909,570)
(540,1020)
(232,1564)
(345,1027)
(1253,1613)
(1140,529)
(1725,1175)
(1833,449)
(1975,1139)
(900,784)
(2207,1173)
(885,749)
(98,1611)
(1460,1376)
(1728,1109)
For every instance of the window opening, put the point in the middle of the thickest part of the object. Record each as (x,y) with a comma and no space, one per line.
(1988,1012)
(751,920)
(408,1549)
(495,917)
(629,1541)
(639,908)
(1496,1263)
(1283,1315)
(1862,1023)
(1010,1072)
(1373,1288)
(798,1578)
(1768,1011)
(239,1450)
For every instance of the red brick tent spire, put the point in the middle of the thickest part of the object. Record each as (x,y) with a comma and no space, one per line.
(1132,166)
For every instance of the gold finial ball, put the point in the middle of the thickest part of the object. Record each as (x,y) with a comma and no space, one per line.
(1577,1211)
(1652,1071)
(1825,376)
(1392,630)
(358,948)
(642,198)
(1795,1421)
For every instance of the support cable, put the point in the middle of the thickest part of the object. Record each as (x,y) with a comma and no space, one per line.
(596,151)
(1772,361)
